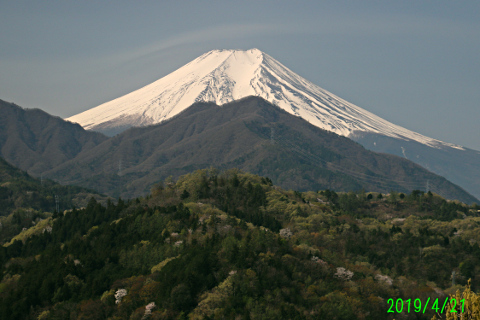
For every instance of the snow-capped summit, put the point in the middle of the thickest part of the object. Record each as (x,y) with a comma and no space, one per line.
(221,76)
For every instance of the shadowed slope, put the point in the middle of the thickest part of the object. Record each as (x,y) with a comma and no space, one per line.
(250,134)
(35,141)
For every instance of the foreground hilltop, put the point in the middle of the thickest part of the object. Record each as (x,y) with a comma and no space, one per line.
(232,245)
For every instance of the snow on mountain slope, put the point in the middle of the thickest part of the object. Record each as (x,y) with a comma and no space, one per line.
(221,76)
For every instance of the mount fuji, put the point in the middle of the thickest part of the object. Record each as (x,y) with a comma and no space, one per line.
(222,76)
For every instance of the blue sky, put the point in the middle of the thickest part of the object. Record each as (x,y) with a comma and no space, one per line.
(414,63)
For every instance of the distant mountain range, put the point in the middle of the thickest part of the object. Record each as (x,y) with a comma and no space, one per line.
(251,134)
(223,76)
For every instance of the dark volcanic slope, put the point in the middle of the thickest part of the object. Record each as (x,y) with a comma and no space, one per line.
(35,141)
(250,134)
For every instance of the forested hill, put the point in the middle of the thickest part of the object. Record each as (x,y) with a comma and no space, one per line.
(24,200)
(233,246)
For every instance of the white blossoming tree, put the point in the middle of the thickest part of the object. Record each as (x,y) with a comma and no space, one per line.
(385,279)
(343,274)
(119,295)
(148,310)
(286,233)
(318,260)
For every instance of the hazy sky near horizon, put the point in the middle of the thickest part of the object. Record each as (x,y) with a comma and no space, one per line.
(414,63)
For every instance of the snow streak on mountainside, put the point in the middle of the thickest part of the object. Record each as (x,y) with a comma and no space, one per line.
(222,76)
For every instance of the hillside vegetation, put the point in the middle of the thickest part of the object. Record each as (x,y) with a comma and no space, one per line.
(26,201)
(233,246)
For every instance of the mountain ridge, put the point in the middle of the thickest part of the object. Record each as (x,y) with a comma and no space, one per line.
(253,135)
(121,165)
(36,141)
